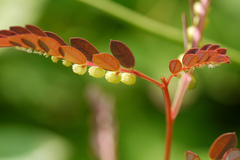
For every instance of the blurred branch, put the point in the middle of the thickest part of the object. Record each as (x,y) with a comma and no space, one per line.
(147,24)
(103,124)
(136,19)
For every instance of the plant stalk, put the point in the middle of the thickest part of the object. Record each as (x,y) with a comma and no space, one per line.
(169,122)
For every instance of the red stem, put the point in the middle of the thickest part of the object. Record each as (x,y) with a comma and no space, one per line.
(169,121)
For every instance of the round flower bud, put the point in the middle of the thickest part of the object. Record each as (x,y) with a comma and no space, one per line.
(190,32)
(54,59)
(196,20)
(66,63)
(180,57)
(197,8)
(193,83)
(113,77)
(96,72)
(46,54)
(29,50)
(128,78)
(79,69)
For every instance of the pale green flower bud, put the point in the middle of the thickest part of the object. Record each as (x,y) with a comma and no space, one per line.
(66,63)
(190,32)
(96,72)
(79,69)
(128,78)
(193,82)
(197,7)
(54,59)
(113,77)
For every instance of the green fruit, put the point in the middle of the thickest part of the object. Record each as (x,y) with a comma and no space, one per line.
(54,59)
(193,83)
(96,72)
(66,63)
(128,78)
(79,69)
(113,77)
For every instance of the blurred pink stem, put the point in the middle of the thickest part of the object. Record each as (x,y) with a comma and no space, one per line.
(181,90)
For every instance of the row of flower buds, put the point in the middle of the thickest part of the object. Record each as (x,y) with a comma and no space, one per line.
(199,20)
(208,55)
(80,53)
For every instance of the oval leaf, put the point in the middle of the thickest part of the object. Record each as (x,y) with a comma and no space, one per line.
(213,55)
(49,45)
(32,41)
(232,154)
(213,47)
(222,59)
(106,61)
(17,41)
(73,55)
(4,42)
(123,54)
(35,30)
(56,37)
(175,66)
(203,56)
(221,50)
(7,32)
(190,60)
(191,156)
(222,144)
(85,47)
(3,36)
(205,47)
(19,30)
(192,51)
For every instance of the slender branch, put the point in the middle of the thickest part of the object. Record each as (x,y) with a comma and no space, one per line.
(180,92)
(169,121)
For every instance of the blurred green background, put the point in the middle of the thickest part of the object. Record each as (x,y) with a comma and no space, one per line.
(44,113)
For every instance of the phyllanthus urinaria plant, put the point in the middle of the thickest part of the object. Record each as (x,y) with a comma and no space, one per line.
(83,56)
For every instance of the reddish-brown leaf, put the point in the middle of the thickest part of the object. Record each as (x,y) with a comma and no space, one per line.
(4,42)
(106,61)
(222,59)
(213,55)
(85,47)
(192,51)
(7,32)
(35,30)
(3,36)
(56,37)
(191,156)
(16,40)
(32,41)
(19,30)
(123,54)
(49,45)
(190,60)
(232,154)
(205,47)
(222,144)
(221,50)
(73,55)
(202,56)
(213,47)
(175,66)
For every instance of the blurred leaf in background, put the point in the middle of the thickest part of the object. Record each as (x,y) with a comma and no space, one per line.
(48,99)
